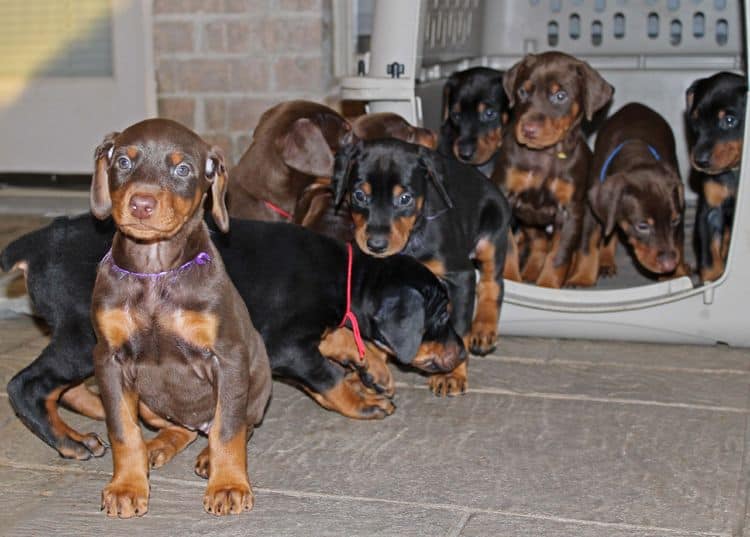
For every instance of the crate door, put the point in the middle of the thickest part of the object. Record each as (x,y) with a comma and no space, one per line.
(72,71)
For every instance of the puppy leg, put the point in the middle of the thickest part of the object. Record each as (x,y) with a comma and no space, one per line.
(586,264)
(538,246)
(169,441)
(512,265)
(484,327)
(82,400)
(607,256)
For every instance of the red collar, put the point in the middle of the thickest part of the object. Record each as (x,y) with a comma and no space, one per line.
(278,210)
(349,314)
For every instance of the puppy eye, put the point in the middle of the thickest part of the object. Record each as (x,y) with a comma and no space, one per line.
(124,163)
(728,122)
(643,227)
(360,196)
(456,117)
(676,221)
(522,93)
(405,199)
(490,114)
(559,96)
(182,170)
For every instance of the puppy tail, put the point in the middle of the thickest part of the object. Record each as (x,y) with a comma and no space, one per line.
(16,254)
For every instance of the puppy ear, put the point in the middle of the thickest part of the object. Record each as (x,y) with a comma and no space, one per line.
(305,149)
(434,169)
(512,76)
(99,198)
(216,173)
(343,162)
(604,198)
(679,196)
(690,95)
(400,322)
(597,92)
(448,88)
(423,137)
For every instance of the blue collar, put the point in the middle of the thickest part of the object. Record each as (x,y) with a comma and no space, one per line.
(615,151)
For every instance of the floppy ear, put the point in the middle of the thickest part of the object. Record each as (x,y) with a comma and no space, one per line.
(597,92)
(423,137)
(604,198)
(435,171)
(511,76)
(216,173)
(99,199)
(690,96)
(448,88)
(399,323)
(679,196)
(305,149)
(342,166)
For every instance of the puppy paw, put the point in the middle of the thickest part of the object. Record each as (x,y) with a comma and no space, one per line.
(125,499)
(228,499)
(482,338)
(202,467)
(450,384)
(81,447)
(607,271)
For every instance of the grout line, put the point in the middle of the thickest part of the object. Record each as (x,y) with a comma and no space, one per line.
(588,398)
(456,532)
(468,511)
(743,483)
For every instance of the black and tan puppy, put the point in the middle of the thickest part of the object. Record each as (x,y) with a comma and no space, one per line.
(475,109)
(715,118)
(172,331)
(637,188)
(544,149)
(406,198)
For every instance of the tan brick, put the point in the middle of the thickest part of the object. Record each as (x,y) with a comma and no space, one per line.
(170,37)
(214,36)
(299,5)
(198,75)
(246,35)
(215,114)
(298,74)
(180,109)
(249,75)
(223,141)
(290,35)
(243,113)
(238,6)
(187,6)
(166,76)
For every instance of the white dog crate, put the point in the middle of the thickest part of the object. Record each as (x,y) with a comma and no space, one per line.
(650,51)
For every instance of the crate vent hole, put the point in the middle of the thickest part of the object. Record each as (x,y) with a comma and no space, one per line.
(673,5)
(556,6)
(722,32)
(699,25)
(652,25)
(720,5)
(575,26)
(600,5)
(619,26)
(675,32)
(553,34)
(596,33)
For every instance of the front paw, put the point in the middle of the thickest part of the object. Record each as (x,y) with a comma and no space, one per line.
(482,337)
(226,499)
(125,499)
(455,382)
(81,446)
(608,270)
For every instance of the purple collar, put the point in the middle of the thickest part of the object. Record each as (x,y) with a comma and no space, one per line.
(202,258)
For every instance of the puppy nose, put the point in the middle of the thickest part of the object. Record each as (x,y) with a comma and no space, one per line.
(702,159)
(377,244)
(667,261)
(465,151)
(142,205)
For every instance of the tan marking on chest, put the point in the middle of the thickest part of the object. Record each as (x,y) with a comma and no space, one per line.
(518,180)
(562,190)
(715,193)
(196,327)
(436,266)
(116,326)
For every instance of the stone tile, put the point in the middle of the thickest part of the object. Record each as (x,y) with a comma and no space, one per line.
(17,333)
(175,508)
(482,525)
(726,390)
(23,492)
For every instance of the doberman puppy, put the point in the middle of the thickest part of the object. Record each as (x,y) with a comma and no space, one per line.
(475,110)
(292,150)
(400,305)
(406,198)
(172,331)
(390,125)
(637,187)
(715,118)
(550,94)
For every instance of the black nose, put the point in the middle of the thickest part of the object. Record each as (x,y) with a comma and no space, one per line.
(466,151)
(702,159)
(377,244)
(142,205)
(667,261)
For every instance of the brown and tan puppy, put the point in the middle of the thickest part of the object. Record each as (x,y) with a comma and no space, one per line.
(390,125)
(173,334)
(544,149)
(637,188)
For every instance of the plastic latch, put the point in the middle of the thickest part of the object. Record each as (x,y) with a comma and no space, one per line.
(395,69)
(708,295)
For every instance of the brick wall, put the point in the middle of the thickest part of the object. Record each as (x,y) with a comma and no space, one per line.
(221,63)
